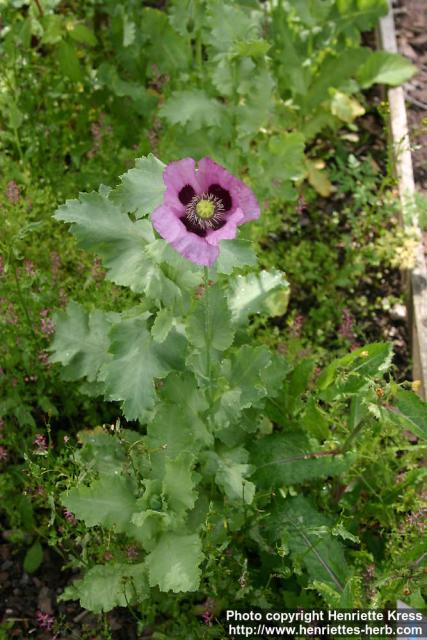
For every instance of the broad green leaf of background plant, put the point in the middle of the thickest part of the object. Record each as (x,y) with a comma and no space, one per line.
(247,366)
(333,73)
(310,542)
(81,341)
(287,156)
(285,459)
(411,414)
(170,50)
(138,360)
(107,586)
(69,62)
(192,108)
(266,292)
(109,502)
(174,564)
(360,14)
(83,35)
(385,68)
(229,24)
(258,105)
(142,187)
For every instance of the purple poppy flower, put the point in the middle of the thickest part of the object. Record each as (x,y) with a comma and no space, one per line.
(201,207)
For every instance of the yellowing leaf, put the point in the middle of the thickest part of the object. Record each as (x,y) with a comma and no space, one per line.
(319,179)
(346,108)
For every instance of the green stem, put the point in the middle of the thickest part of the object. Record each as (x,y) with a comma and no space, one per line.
(207,326)
(18,145)
(351,437)
(199,54)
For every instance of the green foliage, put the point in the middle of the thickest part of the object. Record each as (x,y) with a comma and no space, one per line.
(290,459)
(137,361)
(194,109)
(385,68)
(107,586)
(33,557)
(81,341)
(307,533)
(174,563)
(109,501)
(210,324)
(200,497)
(141,189)
(266,292)
(412,413)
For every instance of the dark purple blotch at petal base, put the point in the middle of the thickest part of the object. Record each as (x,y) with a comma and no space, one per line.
(186,194)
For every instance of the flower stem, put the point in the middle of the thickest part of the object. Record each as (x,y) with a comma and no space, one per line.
(207,324)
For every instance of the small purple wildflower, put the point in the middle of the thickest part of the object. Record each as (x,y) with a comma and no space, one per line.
(108,556)
(43,358)
(99,130)
(70,517)
(296,328)
(301,205)
(97,271)
(207,614)
(29,268)
(62,296)
(44,620)
(1,265)
(40,444)
(13,193)
(47,326)
(55,263)
(201,207)
(346,328)
(207,617)
(12,316)
(132,552)
(3,453)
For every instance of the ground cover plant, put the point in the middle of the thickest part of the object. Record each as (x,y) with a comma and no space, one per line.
(233,413)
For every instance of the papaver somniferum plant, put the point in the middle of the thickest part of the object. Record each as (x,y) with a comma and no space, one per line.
(215,424)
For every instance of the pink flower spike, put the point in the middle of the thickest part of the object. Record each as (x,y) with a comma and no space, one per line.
(39,442)
(70,517)
(44,620)
(201,207)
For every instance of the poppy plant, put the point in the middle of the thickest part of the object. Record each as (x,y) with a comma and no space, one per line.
(201,207)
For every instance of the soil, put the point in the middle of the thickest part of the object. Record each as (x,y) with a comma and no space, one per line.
(411,27)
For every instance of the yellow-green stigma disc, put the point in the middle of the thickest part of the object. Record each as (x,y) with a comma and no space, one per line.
(205,209)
